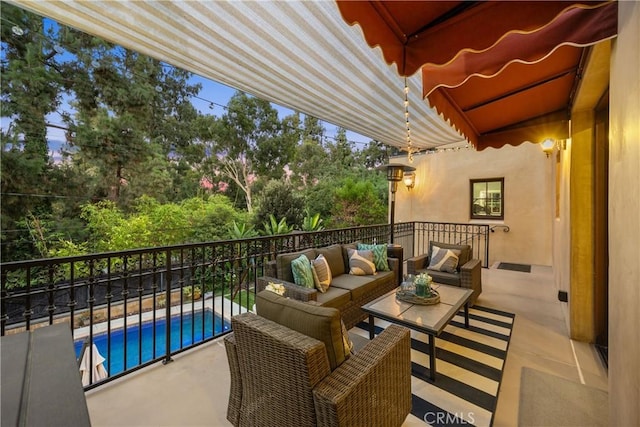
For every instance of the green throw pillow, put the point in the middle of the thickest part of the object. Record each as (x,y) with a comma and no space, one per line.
(301,270)
(379,255)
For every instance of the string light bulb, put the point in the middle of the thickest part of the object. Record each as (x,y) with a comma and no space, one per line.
(407,121)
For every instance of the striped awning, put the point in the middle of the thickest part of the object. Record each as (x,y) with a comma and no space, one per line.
(298,54)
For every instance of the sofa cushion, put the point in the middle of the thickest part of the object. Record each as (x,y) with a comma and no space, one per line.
(444,259)
(359,286)
(333,255)
(302,273)
(335,297)
(361,263)
(321,323)
(321,273)
(283,263)
(379,255)
(465,251)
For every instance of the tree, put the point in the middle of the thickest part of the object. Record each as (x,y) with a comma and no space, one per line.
(341,152)
(30,91)
(131,112)
(374,155)
(356,203)
(280,200)
(250,141)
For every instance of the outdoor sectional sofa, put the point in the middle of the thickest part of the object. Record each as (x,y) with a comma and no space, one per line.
(346,292)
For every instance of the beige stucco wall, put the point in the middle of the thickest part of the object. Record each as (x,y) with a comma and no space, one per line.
(442,194)
(624,221)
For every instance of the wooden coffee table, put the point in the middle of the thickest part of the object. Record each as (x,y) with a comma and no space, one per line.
(428,319)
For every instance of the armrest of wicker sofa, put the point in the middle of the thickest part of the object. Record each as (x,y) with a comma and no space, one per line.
(372,387)
(271,269)
(471,278)
(417,263)
(291,289)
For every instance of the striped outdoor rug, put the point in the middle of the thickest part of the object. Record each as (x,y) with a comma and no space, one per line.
(469,369)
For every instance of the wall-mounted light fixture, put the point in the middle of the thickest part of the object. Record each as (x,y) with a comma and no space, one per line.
(409,180)
(547,146)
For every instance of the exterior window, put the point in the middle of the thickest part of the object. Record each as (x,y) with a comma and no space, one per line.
(487,198)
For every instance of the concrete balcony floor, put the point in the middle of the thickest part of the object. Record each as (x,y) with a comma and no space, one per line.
(193,389)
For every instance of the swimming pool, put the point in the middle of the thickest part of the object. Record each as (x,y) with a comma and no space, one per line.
(114,364)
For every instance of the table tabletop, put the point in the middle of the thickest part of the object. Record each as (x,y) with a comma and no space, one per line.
(425,318)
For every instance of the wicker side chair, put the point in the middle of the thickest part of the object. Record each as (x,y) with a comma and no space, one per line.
(468,274)
(281,377)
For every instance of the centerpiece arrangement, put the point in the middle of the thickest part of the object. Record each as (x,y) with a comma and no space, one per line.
(418,290)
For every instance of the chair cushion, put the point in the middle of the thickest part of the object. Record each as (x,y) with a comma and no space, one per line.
(444,278)
(333,255)
(321,273)
(321,323)
(444,259)
(361,262)
(283,263)
(465,251)
(302,273)
(379,255)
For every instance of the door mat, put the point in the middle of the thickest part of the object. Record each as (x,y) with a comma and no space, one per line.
(470,363)
(549,400)
(525,268)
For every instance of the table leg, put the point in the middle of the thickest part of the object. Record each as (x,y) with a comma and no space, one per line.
(372,328)
(432,356)
(466,315)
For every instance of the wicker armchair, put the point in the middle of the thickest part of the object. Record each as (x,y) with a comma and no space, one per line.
(468,274)
(281,377)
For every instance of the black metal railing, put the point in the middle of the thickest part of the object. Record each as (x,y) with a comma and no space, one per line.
(146,305)
(476,235)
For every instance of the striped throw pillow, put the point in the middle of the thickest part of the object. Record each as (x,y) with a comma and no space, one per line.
(361,263)
(321,273)
(444,259)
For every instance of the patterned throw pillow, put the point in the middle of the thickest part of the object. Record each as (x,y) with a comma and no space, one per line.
(444,259)
(379,255)
(321,273)
(361,263)
(301,270)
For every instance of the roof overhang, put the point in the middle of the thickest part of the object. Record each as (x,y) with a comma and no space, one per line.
(502,72)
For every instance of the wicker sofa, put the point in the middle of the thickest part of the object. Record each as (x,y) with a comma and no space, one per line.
(347,292)
(468,273)
(289,367)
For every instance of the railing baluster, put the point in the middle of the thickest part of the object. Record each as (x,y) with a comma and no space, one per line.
(168,283)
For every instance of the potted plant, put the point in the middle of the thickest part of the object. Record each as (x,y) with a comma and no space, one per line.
(191,292)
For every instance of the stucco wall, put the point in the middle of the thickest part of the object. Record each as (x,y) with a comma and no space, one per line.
(624,221)
(442,194)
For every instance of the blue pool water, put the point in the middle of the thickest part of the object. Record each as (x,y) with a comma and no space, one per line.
(114,364)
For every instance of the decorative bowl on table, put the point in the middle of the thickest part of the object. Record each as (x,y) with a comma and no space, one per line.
(418,292)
